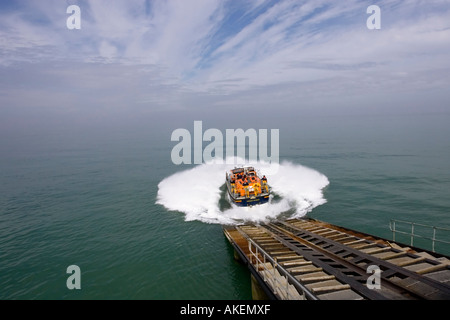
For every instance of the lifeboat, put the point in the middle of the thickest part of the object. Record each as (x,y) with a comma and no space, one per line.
(246,188)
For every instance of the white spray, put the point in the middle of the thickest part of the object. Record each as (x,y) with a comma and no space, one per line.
(196,192)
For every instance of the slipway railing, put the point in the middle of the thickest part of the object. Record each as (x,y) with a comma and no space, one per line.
(261,258)
(431,233)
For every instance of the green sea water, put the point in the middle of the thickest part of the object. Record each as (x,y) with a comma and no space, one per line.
(87,197)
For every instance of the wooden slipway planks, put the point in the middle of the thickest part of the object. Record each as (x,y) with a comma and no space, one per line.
(311,259)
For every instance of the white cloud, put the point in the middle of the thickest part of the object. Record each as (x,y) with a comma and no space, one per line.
(215,47)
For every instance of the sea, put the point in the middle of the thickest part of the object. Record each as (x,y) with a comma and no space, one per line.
(110,200)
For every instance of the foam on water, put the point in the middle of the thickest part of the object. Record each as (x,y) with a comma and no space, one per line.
(197,192)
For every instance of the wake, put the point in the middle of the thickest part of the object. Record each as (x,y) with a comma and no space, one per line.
(197,193)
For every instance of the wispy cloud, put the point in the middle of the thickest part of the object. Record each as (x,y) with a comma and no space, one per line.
(175,51)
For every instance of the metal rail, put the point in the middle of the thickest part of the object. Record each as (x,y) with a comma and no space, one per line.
(336,267)
(353,259)
(266,258)
(322,261)
(392,227)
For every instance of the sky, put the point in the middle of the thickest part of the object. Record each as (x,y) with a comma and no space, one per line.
(144,58)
